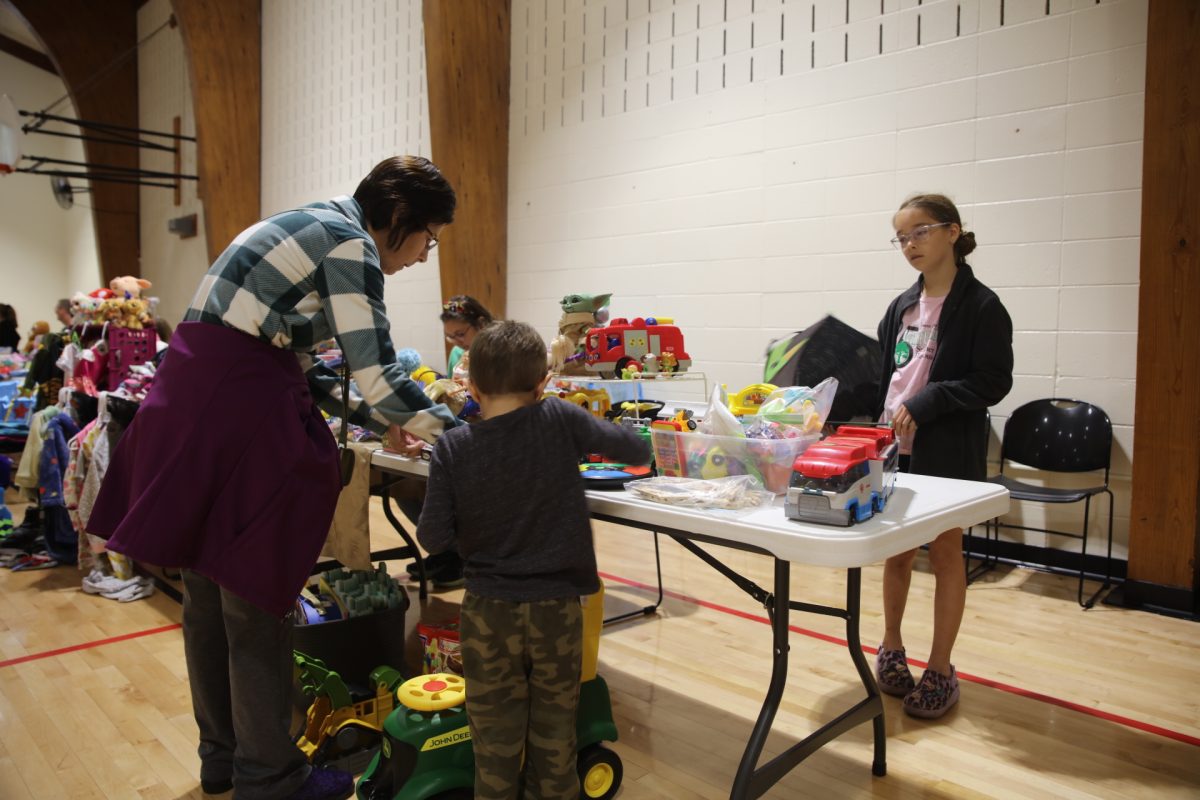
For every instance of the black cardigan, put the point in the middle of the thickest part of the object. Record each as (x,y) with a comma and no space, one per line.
(971,371)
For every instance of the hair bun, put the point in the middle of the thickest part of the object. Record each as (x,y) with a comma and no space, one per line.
(965,244)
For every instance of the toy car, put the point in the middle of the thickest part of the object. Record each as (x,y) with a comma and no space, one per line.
(845,478)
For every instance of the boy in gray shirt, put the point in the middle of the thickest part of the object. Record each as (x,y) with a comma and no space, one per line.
(506,493)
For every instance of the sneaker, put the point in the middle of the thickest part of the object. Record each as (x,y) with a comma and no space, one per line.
(98,583)
(325,784)
(933,696)
(449,577)
(892,673)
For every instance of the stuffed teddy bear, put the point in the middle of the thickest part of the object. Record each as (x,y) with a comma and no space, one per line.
(128,287)
(134,314)
(111,311)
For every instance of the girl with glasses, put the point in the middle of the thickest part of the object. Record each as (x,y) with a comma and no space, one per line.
(462,317)
(947,357)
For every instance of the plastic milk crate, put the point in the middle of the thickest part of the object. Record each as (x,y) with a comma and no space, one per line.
(699,455)
(128,348)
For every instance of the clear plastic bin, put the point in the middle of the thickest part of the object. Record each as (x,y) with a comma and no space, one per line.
(699,455)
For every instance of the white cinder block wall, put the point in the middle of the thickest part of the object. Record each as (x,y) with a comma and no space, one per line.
(734,164)
(343,88)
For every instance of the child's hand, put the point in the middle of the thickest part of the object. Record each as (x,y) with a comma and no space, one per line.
(402,442)
(903,423)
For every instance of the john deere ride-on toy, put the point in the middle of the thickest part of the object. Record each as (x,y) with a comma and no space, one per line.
(425,752)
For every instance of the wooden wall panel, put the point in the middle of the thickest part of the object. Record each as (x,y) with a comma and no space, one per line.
(467,46)
(85,41)
(1165,524)
(223,45)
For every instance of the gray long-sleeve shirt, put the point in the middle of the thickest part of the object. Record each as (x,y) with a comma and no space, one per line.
(507,495)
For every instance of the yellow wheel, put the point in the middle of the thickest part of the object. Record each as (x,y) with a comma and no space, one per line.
(600,772)
(435,692)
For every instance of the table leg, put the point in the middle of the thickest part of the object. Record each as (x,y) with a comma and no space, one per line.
(750,782)
(753,782)
(647,610)
(874,698)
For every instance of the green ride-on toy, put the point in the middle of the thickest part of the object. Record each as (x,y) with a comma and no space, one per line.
(425,752)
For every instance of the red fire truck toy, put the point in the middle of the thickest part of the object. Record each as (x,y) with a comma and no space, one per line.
(623,342)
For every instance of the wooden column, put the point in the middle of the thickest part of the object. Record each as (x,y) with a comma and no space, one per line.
(467,46)
(1164,533)
(87,41)
(223,45)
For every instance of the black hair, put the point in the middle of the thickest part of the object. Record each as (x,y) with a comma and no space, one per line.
(508,358)
(942,209)
(405,194)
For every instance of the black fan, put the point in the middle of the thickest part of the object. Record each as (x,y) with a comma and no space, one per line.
(63,191)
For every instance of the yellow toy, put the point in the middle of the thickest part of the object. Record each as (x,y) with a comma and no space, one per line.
(595,401)
(424,374)
(750,399)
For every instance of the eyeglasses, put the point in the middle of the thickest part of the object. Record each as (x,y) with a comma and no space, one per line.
(458,336)
(432,241)
(918,235)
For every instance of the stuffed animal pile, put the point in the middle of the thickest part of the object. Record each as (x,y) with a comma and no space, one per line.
(121,305)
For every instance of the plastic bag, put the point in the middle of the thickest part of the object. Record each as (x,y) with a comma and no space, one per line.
(718,419)
(735,491)
(798,406)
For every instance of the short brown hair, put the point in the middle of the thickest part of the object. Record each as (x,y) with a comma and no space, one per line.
(403,195)
(508,358)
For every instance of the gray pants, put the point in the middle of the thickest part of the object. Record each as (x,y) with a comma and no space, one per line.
(239,661)
(522,663)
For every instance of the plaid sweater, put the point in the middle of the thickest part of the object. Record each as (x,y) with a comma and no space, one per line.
(309,274)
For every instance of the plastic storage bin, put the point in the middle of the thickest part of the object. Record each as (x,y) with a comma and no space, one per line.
(699,455)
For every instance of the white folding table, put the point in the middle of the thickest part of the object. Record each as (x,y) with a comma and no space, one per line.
(920,508)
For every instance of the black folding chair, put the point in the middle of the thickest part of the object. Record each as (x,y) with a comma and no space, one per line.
(1059,435)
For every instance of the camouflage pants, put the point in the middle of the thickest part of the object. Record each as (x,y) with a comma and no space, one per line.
(522,663)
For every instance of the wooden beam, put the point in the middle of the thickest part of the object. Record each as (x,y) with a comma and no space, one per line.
(27,54)
(223,45)
(93,47)
(467,46)
(1165,521)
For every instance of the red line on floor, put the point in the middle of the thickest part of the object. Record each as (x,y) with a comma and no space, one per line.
(88,645)
(1004,687)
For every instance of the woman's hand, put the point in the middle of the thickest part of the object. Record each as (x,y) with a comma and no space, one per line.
(402,442)
(903,423)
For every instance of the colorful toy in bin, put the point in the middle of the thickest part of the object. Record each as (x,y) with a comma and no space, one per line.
(425,752)
(846,478)
(750,399)
(701,455)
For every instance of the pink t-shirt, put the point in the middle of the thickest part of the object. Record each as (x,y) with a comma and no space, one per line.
(913,356)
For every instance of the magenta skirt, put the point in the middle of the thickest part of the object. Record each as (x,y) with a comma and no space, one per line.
(228,469)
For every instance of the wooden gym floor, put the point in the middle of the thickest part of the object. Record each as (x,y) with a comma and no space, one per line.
(1056,701)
